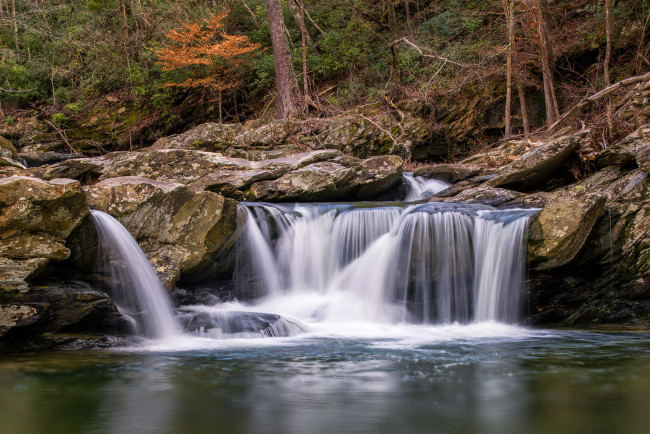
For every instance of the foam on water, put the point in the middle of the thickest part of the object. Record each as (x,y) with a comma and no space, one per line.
(394,275)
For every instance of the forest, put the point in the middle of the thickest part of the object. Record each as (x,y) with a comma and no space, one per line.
(168,65)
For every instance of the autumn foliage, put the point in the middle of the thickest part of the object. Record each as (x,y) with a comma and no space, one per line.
(209,56)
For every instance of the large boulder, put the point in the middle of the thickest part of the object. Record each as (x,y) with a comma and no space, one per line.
(212,137)
(344,178)
(357,136)
(534,169)
(180,230)
(36,217)
(559,231)
(451,173)
(69,311)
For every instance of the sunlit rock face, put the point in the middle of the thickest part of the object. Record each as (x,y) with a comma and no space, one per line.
(36,217)
(181,230)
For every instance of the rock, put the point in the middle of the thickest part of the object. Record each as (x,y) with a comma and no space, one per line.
(36,159)
(534,169)
(180,230)
(342,178)
(633,151)
(483,194)
(7,146)
(451,173)
(316,182)
(8,162)
(15,273)
(55,207)
(82,169)
(206,137)
(36,217)
(14,316)
(275,133)
(559,231)
(59,307)
(377,175)
(357,136)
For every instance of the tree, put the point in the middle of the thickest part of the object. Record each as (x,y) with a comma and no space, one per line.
(509,10)
(285,77)
(608,56)
(546,54)
(209,56)
(513,75)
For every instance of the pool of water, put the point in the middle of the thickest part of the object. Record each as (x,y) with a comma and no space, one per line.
(387,379)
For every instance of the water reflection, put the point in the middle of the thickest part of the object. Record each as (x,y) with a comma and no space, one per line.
(565,382)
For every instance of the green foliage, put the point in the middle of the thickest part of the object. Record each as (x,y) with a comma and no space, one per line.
(74,107)
(9,120)
(59,119)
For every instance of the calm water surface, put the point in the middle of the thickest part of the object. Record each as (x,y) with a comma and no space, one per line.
(414,379)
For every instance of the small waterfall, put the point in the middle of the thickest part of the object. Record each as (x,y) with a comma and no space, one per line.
(422,188)
(427,263)
(136,290)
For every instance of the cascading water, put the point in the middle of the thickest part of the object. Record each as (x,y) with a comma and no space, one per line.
(136,290)
(427,263)
(366,262)
(422,188)
(139,296)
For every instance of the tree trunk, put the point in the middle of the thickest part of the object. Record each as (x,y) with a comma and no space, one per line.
(124,24)
(125,40)
(518,72)
(550,99)
(285,77)
(303,37)
(407,6)
(297,8)
(608,56)
(523,108)
(508,7)
(15,24)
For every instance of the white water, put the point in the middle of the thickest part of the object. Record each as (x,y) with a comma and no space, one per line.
(428,263)
(394,273)
(136,290)
(422,188)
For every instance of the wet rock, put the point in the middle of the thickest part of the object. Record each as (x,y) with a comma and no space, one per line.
(377,175)
(55,308)
(560,230)
(483,194)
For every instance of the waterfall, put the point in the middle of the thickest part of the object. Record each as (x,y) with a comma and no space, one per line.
(422,188)
(426,263)
(135,288)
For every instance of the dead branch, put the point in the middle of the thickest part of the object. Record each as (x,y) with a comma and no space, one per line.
(65,139)
(598,96)
(312,21)
(395,142)
(250,12)
(432,56)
